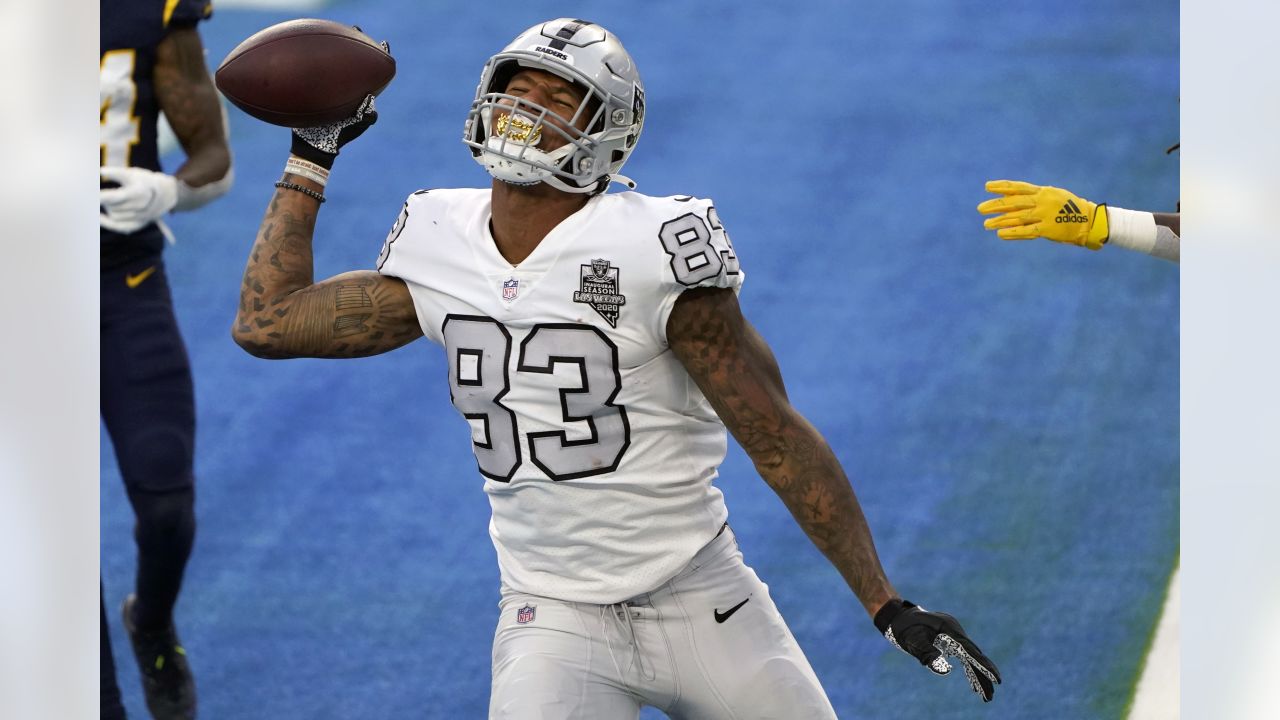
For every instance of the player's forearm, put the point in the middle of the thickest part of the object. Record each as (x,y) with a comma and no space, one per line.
(206,176)
(208,161)
(1155,234)
(808,478)
(739,376)
(207,165)
(280,264)
(191,105)
(1173,221)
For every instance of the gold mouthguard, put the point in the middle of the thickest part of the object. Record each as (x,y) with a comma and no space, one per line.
(517,129)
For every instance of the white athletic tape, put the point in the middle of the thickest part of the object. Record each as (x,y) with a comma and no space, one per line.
(1132,229)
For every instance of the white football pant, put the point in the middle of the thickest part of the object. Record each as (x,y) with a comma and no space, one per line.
(707,644)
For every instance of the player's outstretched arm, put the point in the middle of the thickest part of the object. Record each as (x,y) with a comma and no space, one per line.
(283,313)
(737,372)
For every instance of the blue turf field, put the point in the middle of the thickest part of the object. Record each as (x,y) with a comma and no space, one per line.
(1008,412)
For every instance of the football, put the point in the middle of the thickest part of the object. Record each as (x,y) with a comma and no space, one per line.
(304,73)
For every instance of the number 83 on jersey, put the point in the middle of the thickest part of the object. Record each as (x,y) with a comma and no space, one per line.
(479,350)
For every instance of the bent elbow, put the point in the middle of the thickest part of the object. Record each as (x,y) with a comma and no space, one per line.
(252,342)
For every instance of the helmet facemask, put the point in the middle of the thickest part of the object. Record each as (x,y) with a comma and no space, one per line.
(514,127)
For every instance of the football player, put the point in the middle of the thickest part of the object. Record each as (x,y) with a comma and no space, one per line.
(1025,211)
(596,348)
(152,61)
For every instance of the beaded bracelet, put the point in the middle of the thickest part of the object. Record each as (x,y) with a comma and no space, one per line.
(301,189)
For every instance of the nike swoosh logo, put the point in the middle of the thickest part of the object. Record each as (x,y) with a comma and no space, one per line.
(134,281)
(722,616)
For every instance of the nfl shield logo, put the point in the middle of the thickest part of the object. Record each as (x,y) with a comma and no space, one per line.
(510,288)
(525,615)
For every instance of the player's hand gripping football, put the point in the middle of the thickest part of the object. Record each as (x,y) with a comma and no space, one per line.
(321,144)
(1026,211)
(931,638)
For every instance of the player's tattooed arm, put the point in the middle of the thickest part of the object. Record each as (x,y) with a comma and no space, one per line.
(283,314)
(190,102)
(737,372)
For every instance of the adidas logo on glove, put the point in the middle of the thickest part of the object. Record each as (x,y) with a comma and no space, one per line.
(1071,213)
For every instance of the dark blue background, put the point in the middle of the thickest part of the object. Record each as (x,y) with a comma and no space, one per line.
(1008,412)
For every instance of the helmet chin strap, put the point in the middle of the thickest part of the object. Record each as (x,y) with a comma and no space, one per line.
(563,186)
(559,184)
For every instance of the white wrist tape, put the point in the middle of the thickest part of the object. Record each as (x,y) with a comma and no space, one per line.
(307,169)
(190,198)
(1168,244)
(1132,229)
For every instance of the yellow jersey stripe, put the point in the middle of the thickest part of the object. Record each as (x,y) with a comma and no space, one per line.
(169,6)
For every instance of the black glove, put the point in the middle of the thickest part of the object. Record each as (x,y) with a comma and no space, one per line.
(930,637)
(321,144)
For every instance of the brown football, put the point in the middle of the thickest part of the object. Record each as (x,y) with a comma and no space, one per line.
(304,73)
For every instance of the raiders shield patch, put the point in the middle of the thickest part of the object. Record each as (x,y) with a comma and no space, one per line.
(600,290)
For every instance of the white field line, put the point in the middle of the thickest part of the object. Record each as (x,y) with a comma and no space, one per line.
(1157,695)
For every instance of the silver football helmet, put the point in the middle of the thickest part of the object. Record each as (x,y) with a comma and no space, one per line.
(583,53)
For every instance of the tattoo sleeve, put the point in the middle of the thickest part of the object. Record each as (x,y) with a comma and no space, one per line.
(283,314)
(737,372)
(190,102)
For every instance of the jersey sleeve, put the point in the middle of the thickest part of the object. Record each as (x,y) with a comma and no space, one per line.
(179,13)
(385,264)
(404,252)
(698,254)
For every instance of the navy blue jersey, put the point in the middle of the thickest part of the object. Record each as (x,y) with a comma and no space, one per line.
(131,30)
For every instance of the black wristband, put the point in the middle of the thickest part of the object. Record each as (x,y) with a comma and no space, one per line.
(887,612)
(304,190)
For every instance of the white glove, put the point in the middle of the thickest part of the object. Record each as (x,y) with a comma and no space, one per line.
(143,197)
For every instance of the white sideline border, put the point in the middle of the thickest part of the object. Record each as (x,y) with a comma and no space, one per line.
(1157,694)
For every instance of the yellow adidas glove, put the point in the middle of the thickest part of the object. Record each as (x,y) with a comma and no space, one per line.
(1026,211)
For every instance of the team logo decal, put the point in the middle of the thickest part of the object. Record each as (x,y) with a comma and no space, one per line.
(510,288)
(637,104)
(526,614)
(600,290)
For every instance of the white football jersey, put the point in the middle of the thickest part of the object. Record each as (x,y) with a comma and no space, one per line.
(596,447)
